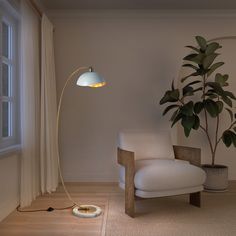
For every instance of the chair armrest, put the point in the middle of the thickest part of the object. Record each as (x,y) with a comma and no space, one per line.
(193,155)
(126,159)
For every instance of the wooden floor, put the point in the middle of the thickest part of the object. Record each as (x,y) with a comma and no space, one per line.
(108,197)
(62,223)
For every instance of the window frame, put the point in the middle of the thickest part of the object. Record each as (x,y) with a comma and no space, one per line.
(12,98)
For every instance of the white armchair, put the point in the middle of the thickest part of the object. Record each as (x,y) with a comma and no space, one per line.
(152,167)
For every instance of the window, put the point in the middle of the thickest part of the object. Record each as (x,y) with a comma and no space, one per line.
(9,80)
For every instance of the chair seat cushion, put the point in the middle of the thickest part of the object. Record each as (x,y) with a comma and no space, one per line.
(164,175)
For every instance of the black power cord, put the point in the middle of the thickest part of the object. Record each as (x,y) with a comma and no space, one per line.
(49,209)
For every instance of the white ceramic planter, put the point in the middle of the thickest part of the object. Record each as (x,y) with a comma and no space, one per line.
(217,178)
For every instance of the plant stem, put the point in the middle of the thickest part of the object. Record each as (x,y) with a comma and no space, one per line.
(209,139)
(206,129)
(216,139)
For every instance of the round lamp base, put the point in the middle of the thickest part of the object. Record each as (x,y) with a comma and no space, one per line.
(87,211)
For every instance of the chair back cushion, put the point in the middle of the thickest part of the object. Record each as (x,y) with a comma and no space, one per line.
(147,144)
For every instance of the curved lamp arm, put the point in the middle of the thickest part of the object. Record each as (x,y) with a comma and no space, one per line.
(57,127)
(62,93)
(222,38)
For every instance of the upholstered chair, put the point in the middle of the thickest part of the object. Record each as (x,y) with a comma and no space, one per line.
(152,167)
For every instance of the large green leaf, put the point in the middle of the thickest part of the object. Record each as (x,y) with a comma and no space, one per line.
(229,137)
(170,96)
(169,108)
(220,106)
(176,119)
(187,91)
(188,123)
(221,79)
(199,58)
(201,42)
(198,107)
(211,95)
(196,58)
(194,82)
(214,67)
(175,95)
(227,100)
(187,109)
(226,137)
(173,85)
(175,113)
(208,60)
(230,114)
(229,94)
(193,74)
(233,137)
(197,89)
(193,48)
(187,132)
(216,88)
(211,107)
(165,98)
(190,66)
(196,123)
(212,47)
(190,56)
(226,76)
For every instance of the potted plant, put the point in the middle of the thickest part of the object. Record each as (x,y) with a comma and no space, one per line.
(204,96)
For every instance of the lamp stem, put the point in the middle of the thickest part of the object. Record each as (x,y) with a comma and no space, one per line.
(222,38)
(57,129)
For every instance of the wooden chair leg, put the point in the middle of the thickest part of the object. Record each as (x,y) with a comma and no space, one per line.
(195,199)
(130,203)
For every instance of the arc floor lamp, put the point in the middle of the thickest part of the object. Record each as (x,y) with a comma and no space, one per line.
(88,78)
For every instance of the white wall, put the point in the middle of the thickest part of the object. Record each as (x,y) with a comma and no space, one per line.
(9,184)
(138,53)
(10,160)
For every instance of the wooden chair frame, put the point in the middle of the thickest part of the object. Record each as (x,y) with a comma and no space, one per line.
(127,159)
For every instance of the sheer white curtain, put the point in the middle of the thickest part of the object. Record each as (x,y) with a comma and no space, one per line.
(39,169)
(48,141)
(30,108)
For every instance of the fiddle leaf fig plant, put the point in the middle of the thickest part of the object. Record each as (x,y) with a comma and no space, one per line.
(202,98)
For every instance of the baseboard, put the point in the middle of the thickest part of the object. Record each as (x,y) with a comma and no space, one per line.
(91,177)
(92,183)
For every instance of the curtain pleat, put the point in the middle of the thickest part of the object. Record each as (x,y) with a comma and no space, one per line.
(48,144)
(30,108)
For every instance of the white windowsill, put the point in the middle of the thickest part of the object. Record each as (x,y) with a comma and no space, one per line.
(14,149)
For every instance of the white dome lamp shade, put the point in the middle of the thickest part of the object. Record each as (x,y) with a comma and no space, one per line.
(90,79)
